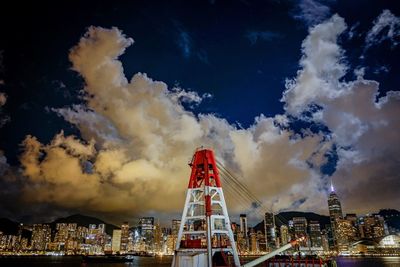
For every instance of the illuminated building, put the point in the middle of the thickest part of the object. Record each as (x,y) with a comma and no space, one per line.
(300,228)
(96,239)
(253,241)
(269,227)
(352,217)
(325,240)
(243,225)
(41,236)
(116,241)
(175,226)
(371,226)
(171,243)
(146,226)
(81,233)
(335,211)
(390,241)
(261,241)
(158,238)
(285,238)
(244,240)
(124,237)
(315,234)
(346,234)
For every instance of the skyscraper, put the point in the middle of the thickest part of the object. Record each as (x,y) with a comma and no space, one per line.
(335,212)
(300,228)
(116,241)
(175,226)
(124,236)
(269,227)
(41,236)
(243,224)
(285,238)
(315,234)
(146,226)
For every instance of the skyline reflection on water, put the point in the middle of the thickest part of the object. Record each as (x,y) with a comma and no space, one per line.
(71,261)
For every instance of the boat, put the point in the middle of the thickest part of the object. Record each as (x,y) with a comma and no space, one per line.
(106,258)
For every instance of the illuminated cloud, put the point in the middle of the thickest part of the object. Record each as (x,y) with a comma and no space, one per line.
(321,68)
(364,128)
(138,139)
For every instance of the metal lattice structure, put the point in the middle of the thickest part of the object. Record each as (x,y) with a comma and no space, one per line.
(205,225)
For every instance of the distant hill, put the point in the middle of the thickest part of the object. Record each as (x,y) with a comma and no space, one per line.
(284,217)
(83,220)
(8,227)
(392,217)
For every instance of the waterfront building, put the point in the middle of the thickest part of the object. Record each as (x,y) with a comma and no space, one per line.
(346,234)
(158,238)
(124,237)
(243,225)
(269,229)
(325,240)
(300,228)
(146,228)
(116,241)
(41,236)
(253,242)
(371,226)
(315,234)
(285,238)
(175,226)
(335,212)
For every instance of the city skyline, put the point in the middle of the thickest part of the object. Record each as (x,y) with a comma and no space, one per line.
(102,107)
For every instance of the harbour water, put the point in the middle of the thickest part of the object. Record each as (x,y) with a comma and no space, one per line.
(76,261)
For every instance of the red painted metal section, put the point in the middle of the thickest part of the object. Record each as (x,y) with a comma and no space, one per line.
(204,169)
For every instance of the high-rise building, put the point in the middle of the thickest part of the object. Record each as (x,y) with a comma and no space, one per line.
(243,224)
(315,234)
(146,227)
(116,241)
(325,240)
(284,234)
(300,228)
(175,226)
(158,238)
(243,237)
(253,241)
(269,228)
(346,234)
(41,236)
(124,237)
(371,226)
(335,211)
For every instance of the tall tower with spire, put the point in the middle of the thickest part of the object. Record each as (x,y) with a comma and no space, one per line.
(335,211)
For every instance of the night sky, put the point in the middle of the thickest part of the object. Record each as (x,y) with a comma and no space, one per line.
(291,95)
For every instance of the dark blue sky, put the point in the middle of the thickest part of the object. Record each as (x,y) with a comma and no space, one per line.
(239,51)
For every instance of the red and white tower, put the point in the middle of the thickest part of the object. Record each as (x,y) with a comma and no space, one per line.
(205,231)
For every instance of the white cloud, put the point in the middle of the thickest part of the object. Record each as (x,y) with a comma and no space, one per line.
(386,27)
(321,68)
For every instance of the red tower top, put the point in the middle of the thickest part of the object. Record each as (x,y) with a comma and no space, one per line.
(204,169)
